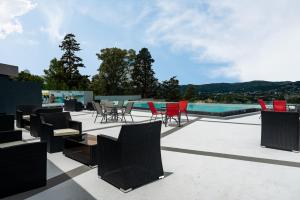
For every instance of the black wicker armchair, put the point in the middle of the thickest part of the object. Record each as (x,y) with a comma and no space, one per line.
(10,136)
(35,120)
(280,130)
(7,132)
(56,126)
(73,105)
(23,166)
(132,160)
(7,122)
(23,115)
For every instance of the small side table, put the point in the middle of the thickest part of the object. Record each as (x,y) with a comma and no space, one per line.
(81,148)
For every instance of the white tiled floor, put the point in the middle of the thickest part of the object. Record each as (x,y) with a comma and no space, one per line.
(192,176)
(228,138)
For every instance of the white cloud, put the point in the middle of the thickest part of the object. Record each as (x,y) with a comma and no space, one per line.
(55,13)
(259,38)
(10,10)
(126,14)
(59,15)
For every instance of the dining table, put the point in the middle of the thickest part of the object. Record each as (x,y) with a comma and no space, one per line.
(114,111)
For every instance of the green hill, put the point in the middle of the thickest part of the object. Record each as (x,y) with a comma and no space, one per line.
(252,86)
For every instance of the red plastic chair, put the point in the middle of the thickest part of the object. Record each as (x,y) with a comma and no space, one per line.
(279,105)
(154,112)
(183,108)
(172,110)
(262,104)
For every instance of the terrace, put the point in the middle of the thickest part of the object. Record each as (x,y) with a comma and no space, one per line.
(89,114)
(205,158)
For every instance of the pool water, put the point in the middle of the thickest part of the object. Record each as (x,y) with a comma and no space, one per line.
(202,107)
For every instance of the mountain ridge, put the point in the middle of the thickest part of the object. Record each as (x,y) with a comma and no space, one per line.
(250,86)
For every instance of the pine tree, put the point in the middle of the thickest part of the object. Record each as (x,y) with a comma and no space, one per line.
(71,62)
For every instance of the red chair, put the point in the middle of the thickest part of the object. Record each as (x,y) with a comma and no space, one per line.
(183,108)
(154,112)
(262,104)
(172,110)
(279,105)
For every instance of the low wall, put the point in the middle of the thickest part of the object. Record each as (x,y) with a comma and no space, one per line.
(60,95)
(14,93)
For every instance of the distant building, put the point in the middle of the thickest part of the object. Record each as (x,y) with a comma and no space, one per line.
(8,70)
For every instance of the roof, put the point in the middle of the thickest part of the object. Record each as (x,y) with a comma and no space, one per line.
(9,70)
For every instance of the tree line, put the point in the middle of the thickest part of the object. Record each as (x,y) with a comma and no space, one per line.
(121,72)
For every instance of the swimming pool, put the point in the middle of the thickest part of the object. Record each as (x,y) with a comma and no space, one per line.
(207,108)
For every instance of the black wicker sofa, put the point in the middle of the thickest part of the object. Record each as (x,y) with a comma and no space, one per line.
(280,130)
(23,166)
(73,105)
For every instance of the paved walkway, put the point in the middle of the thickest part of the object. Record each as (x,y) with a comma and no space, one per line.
(204,159)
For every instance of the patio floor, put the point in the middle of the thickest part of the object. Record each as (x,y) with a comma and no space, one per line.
(203,159)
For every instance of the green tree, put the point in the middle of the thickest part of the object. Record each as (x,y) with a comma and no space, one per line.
(72,63)
(190,92)
(114,74)
(130,58)
(55,76)
(95,85)
(27,76)
(143,79)
(170,90)
(83,82)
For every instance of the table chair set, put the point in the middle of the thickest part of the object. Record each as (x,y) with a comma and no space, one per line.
(170,111)
(108,110)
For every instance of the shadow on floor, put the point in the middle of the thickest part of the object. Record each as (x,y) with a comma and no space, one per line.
(59,186)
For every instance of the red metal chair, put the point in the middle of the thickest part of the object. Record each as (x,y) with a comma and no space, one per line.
(172,110)
(183,108)
(154,112)
(279,105)
(262,104)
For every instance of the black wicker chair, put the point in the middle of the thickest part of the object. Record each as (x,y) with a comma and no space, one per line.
(35,120)
(56,126)
(280,130)
(7,122)
(23,167)
(23,115)
(132,160)
(73,105)
(89,106)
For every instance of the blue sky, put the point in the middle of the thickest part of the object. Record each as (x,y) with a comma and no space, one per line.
(199,41)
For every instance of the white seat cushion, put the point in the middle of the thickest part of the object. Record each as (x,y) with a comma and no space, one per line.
(10,144)
(65,131)
(26,117)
